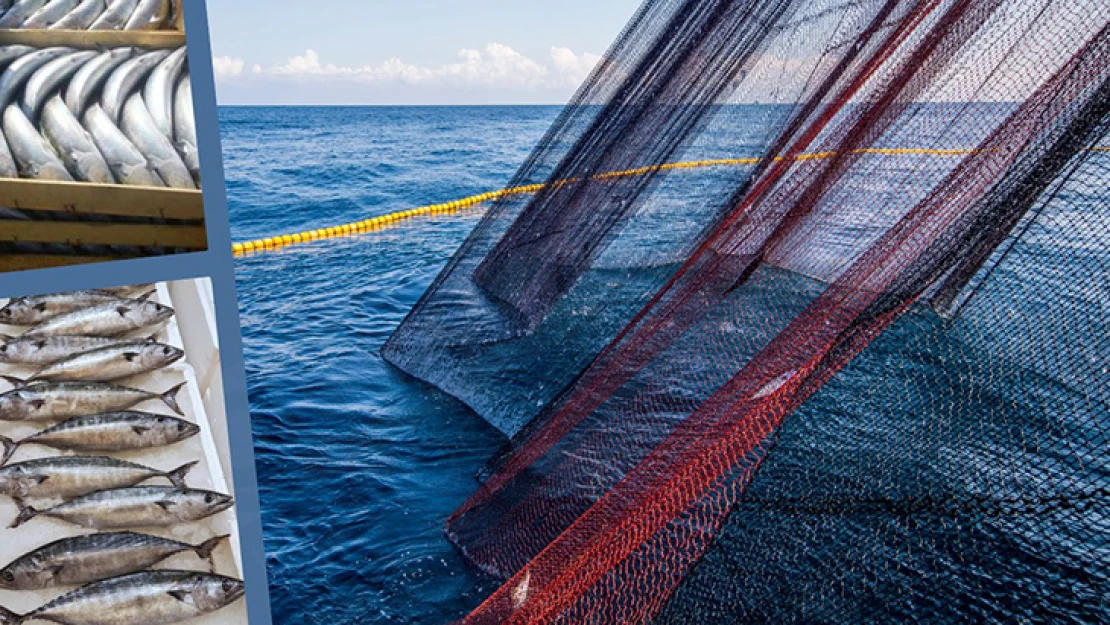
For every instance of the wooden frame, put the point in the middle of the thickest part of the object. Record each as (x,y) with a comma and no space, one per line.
(93,39)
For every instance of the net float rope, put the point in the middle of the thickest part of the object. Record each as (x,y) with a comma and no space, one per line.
(390,219)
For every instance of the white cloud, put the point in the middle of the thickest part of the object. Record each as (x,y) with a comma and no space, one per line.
(226,66)
(573,68)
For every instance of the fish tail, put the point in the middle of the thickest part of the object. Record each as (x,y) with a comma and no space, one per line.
(205,549)
(7,338)
(170,398)
(26,513)
(145,296)
(9,447)
(14,381)
(177,476)
(7,617)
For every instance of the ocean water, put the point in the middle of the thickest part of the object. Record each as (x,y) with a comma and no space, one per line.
(359,465)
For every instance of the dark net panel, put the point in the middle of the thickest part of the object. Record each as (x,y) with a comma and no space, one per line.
(618,488)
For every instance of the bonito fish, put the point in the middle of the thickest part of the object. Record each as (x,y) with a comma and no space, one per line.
(108,432)
(159,88)
(125,80)
(46,81)
(20,11)
(20,70)
(82,16)
(69,477)
(110,319)
(107,363)
(115,16)
(127,162)
(29,311)
(47,350)
(74,144)
(139,506)
(147,598)
(95,557)
(85,84)
(34,157)
(149,15)
(50,14)
(63,400)
(140,128)
(185,127)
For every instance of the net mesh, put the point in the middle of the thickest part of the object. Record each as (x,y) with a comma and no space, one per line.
(853,365)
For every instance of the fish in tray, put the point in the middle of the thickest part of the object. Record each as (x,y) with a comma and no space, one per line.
(47,350)
(88,14)
(139,506)
(51,401)
(72,476)
(96,557)
(111,319)
(108,432)
(147,598)
(29,311)
(106,364)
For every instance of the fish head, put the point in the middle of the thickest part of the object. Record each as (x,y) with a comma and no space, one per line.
(147,313)
(18,481)
(175,430)
(21,311)
(157,355)
(199,504)
(208,593)
(20,404)
(26,574)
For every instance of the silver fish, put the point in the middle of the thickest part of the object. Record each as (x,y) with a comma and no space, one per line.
(115,16)
(109,363)
(158,91)
(110,319)
(47,350)
(74,144)
(125,80)
(70,477)
(82,16)
(108,432)
(141,129)
(50,14)
(185,127)
(149,15)
(11,53)
(90,78)
(130,290)
(95,557)
(138,506)
(19,71)
(127,162)
(28,311)
(49,78)
(34,157)
(63,400)
(19,13)
(8,168)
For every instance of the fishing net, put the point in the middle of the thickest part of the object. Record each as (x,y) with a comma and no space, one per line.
(846,351)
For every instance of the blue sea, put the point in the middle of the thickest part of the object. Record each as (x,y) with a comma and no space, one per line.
(360,465)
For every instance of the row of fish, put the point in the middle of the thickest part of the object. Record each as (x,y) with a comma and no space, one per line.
(78,345)
(122,116)
(89,14)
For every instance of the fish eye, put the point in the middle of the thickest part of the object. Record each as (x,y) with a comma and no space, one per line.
(6,312)
(228,585)
(209,498)
(182,426)
(3,348)
(9,576)
(167,350)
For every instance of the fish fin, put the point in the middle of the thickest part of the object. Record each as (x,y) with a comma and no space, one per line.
(9,448)
(165,504)
(130,356)
(140,429)
(26,513)
(123,310)
(205,549)
(7,617)
(41,343)
(170,398)
(180,595)
(6,337)
(145,296)
(37,403)
(14,381)
(153,338)
(177,476)
(39,307)
(39,479)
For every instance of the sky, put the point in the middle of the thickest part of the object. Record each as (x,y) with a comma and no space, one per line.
(409,51)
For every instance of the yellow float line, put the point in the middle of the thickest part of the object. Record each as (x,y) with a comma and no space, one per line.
(388,220)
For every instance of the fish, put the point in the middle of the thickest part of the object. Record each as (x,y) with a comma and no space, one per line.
(69,477)
(137,506)
(34,157)
(138,125)
(185,127)
(74,144)
(81,17)
(149,15)
(47,350)
(65,400)
(86,83)
(8,168)
(159,90)
(20,11)
(128,291)
(115,16)
(50,14)
(19,71)
(126,161)
(108,432)
(29,311)
(145,598)
(111,319)
(125,80)
(96,557)
(107,363)
(47,79)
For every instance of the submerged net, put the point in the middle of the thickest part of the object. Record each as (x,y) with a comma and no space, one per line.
(853,365)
